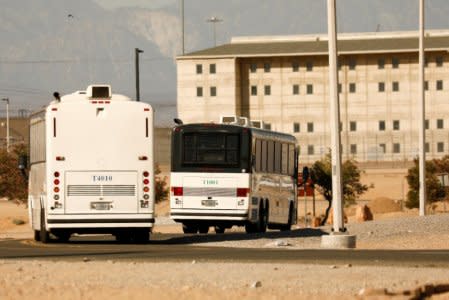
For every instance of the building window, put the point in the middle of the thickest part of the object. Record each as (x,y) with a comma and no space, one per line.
(426,124)
(381,63)
(266,67)
(439,61)
(427,147)
(212,69)
(353,149)
(296,89)
(295,66)
(353,126)
(339,88)
(213,91)
(309,66)
(352,63)
(253,67)
(352,87)
(396,148)
(382,125)
(254,90)
(310,127)
(395,62)
(396,125)
(440,124)
(395,87)
(383,148)
(267,90)
(267,126)
(199,69)
(440,147)
(310,89)
(439,85)
(381,86)
(426,85)
(310,150)
(199,91)
(296,127)
(426,62)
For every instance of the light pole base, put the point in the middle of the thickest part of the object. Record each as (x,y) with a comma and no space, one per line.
(338,241)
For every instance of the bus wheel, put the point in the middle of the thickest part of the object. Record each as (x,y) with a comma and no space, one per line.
(203,229)
(63,237)
(44,235)
(261,224)
(37,235)
(288,226)
(219,229)
(189,228)
(141,236)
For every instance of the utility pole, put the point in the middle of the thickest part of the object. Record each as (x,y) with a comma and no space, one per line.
(214,21)
(337,190)
(7,123)
(182,25)
(137,52)
(422,136)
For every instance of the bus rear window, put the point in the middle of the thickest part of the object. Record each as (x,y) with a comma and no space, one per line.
(211,149)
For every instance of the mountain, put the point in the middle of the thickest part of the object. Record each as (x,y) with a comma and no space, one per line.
(64,45)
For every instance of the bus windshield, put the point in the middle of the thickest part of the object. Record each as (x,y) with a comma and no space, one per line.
(211,149)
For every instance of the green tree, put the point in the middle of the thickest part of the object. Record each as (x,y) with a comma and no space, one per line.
(352,187)
(434,190)
(13,184)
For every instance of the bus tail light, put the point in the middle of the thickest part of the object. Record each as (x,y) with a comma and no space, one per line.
(60,158)
(143,157)
(242,192)
(177,190)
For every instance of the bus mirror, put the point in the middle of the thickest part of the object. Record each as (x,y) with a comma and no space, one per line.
(23,162)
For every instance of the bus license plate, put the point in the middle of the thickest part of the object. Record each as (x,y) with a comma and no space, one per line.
(100,205)
(210,203)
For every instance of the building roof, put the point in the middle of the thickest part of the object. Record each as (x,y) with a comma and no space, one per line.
(317,45)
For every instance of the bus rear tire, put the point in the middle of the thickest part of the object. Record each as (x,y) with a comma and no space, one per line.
(288,226)
(37,235)
(189,228)
(219,229)
(141,236)
(204,229)
(63,236)
(44,235)
(261,224)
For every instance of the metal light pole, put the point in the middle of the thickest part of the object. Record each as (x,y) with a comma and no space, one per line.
(214,21)
(337,189)
(7,123)
(422,137)
(137,51)
(182,25)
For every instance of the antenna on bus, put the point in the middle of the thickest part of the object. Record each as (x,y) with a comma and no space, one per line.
(178,121)
(57,97)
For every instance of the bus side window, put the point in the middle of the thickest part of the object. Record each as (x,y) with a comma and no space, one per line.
(277,157)
(264,156)
(285,159)
(291,159)
(258,156)
(270,167)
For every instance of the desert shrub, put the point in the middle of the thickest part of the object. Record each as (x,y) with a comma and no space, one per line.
(13,184)
(161,188)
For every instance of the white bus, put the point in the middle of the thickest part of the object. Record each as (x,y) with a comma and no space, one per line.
(91,167)
(224,175)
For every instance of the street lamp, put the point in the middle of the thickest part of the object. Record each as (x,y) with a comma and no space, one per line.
(137,51)
(214,21)
(7,123)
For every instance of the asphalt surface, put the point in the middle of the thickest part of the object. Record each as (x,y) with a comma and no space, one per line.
(176,247)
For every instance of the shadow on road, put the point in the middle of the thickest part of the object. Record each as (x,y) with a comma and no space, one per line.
(239,236)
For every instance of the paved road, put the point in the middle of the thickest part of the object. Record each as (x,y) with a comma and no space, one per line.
(170,247)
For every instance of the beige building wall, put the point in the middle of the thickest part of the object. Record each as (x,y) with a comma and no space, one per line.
(362,105)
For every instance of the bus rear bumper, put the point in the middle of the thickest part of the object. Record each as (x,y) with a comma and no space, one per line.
(83,221)
(209,214)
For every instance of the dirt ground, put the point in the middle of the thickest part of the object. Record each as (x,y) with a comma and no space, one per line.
(206,280)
